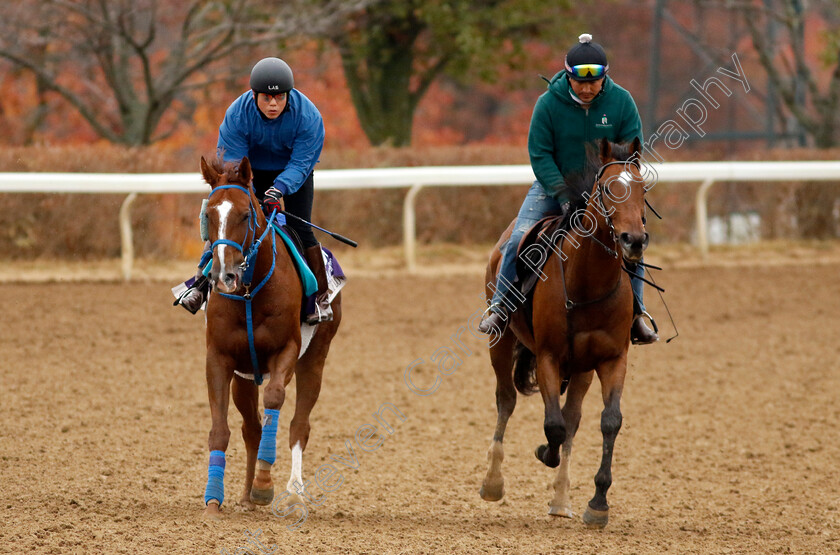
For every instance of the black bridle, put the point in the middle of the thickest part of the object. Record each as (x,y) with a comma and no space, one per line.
(602,208)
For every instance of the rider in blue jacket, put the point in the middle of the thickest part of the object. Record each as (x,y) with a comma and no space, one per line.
(282,133)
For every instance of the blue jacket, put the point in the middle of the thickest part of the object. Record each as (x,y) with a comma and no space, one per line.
(291,143)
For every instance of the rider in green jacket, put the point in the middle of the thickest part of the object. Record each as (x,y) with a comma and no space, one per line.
(582,105)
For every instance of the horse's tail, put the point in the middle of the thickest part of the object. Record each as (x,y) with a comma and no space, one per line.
(524,371)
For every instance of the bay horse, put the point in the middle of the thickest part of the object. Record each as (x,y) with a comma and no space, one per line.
(264,336)
(580,325)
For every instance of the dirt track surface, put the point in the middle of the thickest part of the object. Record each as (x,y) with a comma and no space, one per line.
(729,442)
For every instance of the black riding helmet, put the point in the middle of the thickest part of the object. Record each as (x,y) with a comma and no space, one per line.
(272,76)
(584,59)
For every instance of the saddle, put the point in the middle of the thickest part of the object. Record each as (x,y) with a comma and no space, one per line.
(336,278)
(335,275)
(530,260)
(295,248)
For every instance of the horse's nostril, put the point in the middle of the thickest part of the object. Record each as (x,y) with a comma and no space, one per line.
(230,278)
(625,238)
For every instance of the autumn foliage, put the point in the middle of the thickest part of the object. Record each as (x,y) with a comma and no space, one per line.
(456,123)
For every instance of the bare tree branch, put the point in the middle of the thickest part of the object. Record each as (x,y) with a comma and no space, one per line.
(815,107)
(123,63)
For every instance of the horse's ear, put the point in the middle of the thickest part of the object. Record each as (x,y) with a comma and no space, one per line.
(606,150)
(210,175)
(636,148)
(245,170)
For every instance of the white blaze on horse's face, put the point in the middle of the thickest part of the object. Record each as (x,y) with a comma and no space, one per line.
(625,193)
(224,211)
(226,273)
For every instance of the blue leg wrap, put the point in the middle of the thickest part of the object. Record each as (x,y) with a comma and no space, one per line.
(215,478)
(268,440)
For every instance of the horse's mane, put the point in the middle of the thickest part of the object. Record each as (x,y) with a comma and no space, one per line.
(229,170)
(581,181)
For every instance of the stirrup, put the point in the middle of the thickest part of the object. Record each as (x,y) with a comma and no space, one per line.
(488,313)
(650,319)
(186,300)
(323,313)
(637,340)
(200,288)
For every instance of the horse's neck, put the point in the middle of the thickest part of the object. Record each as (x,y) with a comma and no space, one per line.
(590,259)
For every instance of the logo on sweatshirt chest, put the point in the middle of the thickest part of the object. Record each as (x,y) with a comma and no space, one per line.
(604,123)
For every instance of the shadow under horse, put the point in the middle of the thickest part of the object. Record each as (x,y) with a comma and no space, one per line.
(579,326)
(254,319)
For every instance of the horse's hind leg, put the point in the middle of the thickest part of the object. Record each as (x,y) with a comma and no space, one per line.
(561,505)
(611,374)
(308,374)
(501,356)
(246,397)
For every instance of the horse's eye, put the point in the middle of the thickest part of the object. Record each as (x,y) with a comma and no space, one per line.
(246,217)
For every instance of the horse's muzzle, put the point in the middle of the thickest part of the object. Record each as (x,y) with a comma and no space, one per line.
(226,282)
(633,245)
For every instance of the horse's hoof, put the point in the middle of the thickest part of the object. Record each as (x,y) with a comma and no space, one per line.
(540,453)
(492,490)
(594,518)
(262,496)
(292,499)
(246,505)
(212,511)
(560,510)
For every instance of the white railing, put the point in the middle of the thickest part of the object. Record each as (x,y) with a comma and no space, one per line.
(706,173)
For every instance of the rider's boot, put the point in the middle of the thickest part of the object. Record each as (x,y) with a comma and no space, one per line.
(196,294)
(640,334)
(495,319)
(323,311)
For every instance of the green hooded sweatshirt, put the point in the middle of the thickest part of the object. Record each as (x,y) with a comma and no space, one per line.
(560,129)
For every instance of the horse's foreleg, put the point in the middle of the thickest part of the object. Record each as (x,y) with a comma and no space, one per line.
(611,374)
(246,398)
(548,378)
(501,356)
(218,391)
(561,505)
(281,368)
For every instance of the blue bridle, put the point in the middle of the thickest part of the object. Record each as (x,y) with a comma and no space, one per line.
(248,267)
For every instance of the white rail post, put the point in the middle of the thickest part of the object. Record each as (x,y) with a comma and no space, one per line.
(410,227)
(702,215)
(127,253)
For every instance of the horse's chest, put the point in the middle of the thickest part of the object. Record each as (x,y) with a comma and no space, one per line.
(266,335)
(587,350)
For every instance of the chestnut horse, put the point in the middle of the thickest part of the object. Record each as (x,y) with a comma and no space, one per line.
(582,314)
(253,319)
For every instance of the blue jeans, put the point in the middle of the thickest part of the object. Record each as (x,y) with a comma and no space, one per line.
(537,203)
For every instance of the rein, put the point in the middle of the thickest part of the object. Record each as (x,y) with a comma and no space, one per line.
(248,266)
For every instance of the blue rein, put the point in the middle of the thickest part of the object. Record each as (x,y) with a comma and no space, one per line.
(248,265)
